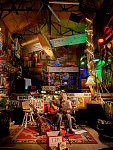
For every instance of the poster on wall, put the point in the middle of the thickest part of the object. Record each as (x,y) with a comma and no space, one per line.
(80,102)
(38,104)
(79,99)
(74,102)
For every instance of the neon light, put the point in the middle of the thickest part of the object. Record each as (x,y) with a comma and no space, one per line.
(26,87)
(36,54)
(39,64)
(81,69)
(112,41)
(109,60)
(96,60)
(56,64)
(82,63)
(109,35)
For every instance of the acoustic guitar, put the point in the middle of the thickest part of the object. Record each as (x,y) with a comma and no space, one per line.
(43,124)
(53,109)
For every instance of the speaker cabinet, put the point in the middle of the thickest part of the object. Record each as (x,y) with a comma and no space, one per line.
(95,112)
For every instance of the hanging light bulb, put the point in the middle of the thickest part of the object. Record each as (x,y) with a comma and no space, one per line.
(90,81)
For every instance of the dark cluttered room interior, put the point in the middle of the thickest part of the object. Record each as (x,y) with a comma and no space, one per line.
(56,75)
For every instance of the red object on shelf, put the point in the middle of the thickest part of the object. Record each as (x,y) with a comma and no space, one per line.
(33,87)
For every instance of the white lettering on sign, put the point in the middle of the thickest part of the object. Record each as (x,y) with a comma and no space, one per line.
(23,97)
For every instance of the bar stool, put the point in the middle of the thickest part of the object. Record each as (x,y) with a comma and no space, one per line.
(28,114)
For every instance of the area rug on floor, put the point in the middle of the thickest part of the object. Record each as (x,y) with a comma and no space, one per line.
(106,148)
(31,135)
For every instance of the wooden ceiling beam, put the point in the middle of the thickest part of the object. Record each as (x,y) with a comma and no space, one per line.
(66,3)
(46,45)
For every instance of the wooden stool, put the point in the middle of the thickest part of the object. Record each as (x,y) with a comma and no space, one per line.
(28,116)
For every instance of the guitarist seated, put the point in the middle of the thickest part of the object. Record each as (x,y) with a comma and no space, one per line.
(62,107)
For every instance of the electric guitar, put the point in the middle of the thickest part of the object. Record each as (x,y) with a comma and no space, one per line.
(43,124)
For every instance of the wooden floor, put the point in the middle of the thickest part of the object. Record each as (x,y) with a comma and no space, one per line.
(100,144)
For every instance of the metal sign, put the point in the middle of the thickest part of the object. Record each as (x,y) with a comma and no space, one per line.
(63,69)
(25,97)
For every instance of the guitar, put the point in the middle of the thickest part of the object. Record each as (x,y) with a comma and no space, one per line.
(43,124)
(53,109)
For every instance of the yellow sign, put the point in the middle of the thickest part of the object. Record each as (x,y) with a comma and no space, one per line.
(80,102)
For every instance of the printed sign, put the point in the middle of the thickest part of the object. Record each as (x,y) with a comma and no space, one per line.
(79,94)
(80,102)
(53,141)
(63,69)
(74,102)
(25,97)
(49,88)
(38,104)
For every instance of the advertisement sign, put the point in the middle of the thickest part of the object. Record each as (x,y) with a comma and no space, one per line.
(80,102)
(38,104)
(63,69)
(49,88)
(79,99)
(53,138)
(25,97)
(53,141)
(74,102)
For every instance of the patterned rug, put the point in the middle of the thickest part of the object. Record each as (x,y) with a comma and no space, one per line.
(30,135)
